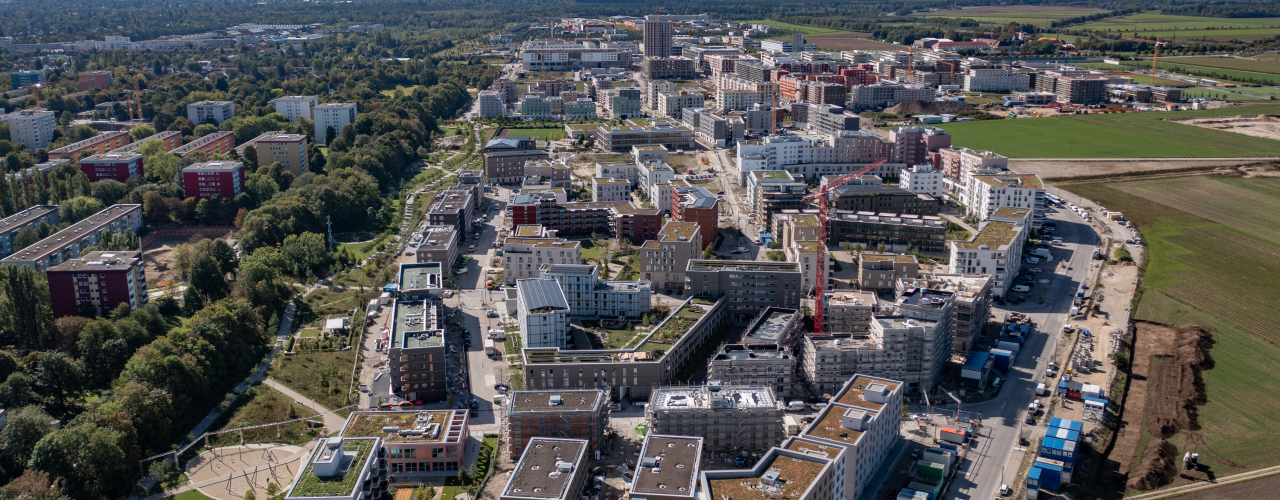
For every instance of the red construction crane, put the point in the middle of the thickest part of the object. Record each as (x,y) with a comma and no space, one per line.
(820,197)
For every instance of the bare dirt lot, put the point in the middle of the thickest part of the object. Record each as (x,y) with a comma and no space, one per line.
(159,258)
(849,41)
(1264,126)
(1258,488)
(1050,170)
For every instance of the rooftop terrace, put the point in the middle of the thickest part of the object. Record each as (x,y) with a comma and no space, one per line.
(546,469)
(793,478)
(678,231)
(407,426)
(856,395)
(993,236)
(356,451)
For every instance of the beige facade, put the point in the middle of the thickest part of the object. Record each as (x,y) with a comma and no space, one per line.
(881,271)
(522,256)
(289,150)
(664,260)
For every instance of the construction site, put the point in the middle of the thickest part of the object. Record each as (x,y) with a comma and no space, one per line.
(1263,126)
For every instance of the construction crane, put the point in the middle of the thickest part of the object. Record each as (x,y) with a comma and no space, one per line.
(1155,57)
(820,197)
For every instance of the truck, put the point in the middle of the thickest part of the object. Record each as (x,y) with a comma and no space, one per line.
(1041,390)
(490,349)
(1043,252)
(950,435)
(497,334)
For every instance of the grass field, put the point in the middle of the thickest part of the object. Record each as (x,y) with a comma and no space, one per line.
(1249,65)
(263,405)
(1222,95)
(1213,249)
(1220,74)
(324,377)
(1128,135)
(543,134)
(1022,14)
(191,495)
(789,28)
(1146,79)
(401,88)
(1151,21)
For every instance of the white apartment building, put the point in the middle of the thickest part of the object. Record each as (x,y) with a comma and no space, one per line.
(857,56)
(737,100)
(543,313)
(581,108)
(296,106)
(654,178)
(333,115)
(654,87)
(215,111)
(996,80)
(921,179)
(995,251)
(523,255)
(959,163)
(590,297)
(491,105)
(883,95)
(664,260)
(619,170)
(984,194)
(813,156)
(671,104)
(807,254)
(532,106)
(604,189)
(33,127)
(857,429)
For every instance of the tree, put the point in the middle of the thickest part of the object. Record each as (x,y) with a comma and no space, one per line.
(306,253)
(251,159)
(86,458)
(148,408)
(329,134)
(16,391)
(23,429)
(25,238)
(109,191)
(707,253)
(32,485)
(162,167)
(56,375)
(141,132)
(78,208)
(204,129)
(24,305)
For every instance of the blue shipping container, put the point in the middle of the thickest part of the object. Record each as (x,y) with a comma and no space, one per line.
(1066,423)
(1033,478)
(1050,478)
(1003,358)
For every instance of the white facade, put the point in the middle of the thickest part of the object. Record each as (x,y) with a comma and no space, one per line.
(590,297)
(996,80)
(217,111)
(610,190)
(522,256)
(532,106)
(34,128)
(812,156)
(731,100)
(996,251)
(984,194)
(295,107)
(921,179)
(654,178)
(335,115)
(543,313)
(883,95)
(491,104)
(670,104)
(581,108)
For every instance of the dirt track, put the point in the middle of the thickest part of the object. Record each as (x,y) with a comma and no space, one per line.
(1266,127)
(1069,168)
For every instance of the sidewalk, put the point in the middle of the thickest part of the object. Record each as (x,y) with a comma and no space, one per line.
(332,422)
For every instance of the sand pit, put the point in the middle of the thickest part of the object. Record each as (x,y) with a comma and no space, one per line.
(227,473)
(1264,126)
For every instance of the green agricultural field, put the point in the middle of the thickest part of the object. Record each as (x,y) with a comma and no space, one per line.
(1220,74)
(1150,21)
(807,30)
(1127,135)
(1028,14)
(1214,246)
(544,134)
(1218,94)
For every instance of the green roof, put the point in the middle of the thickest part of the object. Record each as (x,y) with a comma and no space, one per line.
(309,485)
(994,235)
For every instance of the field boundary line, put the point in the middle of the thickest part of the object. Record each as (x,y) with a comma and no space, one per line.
(1191,488)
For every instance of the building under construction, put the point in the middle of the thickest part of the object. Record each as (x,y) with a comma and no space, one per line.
(727,418)
(559,414)
(764,358)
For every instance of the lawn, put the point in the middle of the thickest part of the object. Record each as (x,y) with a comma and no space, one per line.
(1152,21)
(595,249)
(542,134)
(1128,135)
(361,251)
(1251,65)
(401,88)
(264,405)
(191,495)
(1221,95)
(338,300)
(324,377)
(1021,14)
(790,28)
(1214,247)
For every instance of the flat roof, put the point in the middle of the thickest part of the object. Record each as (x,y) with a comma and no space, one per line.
(924,297)
(1031,181)
(543,242)
(880,257)
(569,401)
(741,265)
(855,395)
(1011,212)
(772,175)
(546,469)
(100,261)
(993,235)
(809,247)
(675,465)
(438,237)
(214,166)
(336,105)
(529,230)
(900,322)
(678,231)
(111,157)
(771,326)
(356,453)
(422,319)
(542,295)
(609,180)
(59,240)
(281,137)
(701,398)
(419,276)
(409,426)
(21,219)
(794,477)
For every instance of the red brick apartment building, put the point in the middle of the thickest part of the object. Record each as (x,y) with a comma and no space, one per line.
(98,144)
(214,178)
(115,166)
(103,280)
(216,143)
(91,79)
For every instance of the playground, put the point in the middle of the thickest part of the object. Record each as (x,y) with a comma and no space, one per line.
(228,473)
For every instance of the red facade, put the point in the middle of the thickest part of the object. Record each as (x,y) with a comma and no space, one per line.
(116,167)
(206,180)
(67,286)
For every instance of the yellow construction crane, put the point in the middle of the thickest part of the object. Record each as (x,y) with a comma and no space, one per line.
(1154,58)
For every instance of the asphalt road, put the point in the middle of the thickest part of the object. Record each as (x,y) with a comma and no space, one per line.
(989,464)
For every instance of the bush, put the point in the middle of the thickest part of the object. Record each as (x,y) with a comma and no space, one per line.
(1123,255)
(777,256)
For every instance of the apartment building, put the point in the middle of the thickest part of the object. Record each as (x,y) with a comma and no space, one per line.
(881,95)
(491,104)
(534,106)
(581,108)
(623,220)
(20,79)
(360,463)
(217,143)
(507,166)
(814,155)
(429,445)
(848,312)
(215,178)
(523,256)
(31,127)
(67,244)
(897,232)
(562,414)
(558,55)
(923,330)
(673,68)
(438,244)
(416,349)
(549,469)
(115,166)
(698,205)
(810,255)
(214,112)
(289,150)
(98,144)
(726,417)
(824,118)
(543,313)
(881,271)
(29,217)
(98,280)
(590,297)
(771,191)
(333,115)
(921,179)
(996,251)
(972,294)
(665,258)
(668,468)
(748,286)
(610,190)
(295,106)
(621,103)
(91,79)
(996,80)
(781,472)
(453,209)
(763,358)
(657,37)
(1083,89)
(863,420)
(169,140)
(556,172)
(672,104)
(958,164)
(883,199)
(621,138)
(985,194)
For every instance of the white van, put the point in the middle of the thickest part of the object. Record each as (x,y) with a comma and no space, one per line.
(795,405)
(1041,390)
(1021,288)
